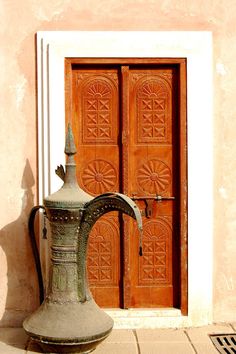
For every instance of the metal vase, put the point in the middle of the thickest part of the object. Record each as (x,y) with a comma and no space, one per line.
(69,320)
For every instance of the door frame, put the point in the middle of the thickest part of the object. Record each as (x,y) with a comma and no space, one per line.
(52,48)
(181,66)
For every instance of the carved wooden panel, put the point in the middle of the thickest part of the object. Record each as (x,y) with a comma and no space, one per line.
(98,107)
(154,177)
(101,260)
(153,107)
(154,267)
(152,171)
(99,176)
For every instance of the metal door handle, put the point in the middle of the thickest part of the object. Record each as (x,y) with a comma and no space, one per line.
(160,198)
(155,197)
(149,201)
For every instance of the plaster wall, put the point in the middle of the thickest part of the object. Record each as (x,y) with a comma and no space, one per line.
(20,20)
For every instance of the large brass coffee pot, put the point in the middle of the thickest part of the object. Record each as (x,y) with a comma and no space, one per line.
(69,320)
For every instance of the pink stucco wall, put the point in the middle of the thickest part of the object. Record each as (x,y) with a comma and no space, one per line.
(20,20)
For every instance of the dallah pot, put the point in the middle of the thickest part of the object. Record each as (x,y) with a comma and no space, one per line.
(69,320)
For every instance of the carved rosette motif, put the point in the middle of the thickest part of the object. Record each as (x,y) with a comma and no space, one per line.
(100,260)
(154,177)
(98,110)
(153,265)
(99,176)
(152,110)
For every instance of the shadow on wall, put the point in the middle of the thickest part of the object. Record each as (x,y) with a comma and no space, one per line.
(22,287)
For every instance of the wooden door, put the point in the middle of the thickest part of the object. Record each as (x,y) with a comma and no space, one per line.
(126,119)
(151,170)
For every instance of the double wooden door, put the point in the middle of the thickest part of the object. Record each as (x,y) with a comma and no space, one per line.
(126,122)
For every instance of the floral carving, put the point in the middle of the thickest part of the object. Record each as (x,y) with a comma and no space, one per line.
(154,176)
(152,88)
(98,88)
(99,176)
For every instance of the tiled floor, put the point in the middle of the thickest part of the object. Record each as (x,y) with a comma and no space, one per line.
(139,341)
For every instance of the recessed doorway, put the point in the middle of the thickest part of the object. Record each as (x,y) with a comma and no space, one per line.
(129,120)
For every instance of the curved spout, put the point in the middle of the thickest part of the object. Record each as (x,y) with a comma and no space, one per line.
(93,210)
(107,202)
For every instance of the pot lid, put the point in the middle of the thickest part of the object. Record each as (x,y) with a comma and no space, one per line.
(70,195)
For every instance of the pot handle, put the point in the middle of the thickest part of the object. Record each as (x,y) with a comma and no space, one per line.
(35,250)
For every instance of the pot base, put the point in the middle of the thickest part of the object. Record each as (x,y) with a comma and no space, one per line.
(90,351)
(68,328)
(72,348)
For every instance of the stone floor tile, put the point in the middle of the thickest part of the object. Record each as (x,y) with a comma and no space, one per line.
(10,349)
(207,348)
(117,348)
(161,335)
(166,348)
(233,324)
(201,334)
(121,336)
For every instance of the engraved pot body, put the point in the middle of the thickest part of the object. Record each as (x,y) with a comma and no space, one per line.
(68,321)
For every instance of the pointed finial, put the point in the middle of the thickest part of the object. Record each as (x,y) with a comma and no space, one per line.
(70,148)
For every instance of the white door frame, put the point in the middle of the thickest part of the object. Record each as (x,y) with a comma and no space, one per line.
(52,48)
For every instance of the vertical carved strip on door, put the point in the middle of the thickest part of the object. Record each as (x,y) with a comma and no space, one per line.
(125,183)
(183,187)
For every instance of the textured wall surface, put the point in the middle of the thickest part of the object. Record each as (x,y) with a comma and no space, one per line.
(20,20)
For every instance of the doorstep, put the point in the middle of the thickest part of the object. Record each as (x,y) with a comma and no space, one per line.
(147,318)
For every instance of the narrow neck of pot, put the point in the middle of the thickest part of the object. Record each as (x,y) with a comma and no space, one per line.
(70,174)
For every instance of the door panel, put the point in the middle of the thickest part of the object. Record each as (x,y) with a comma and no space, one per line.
(151,172)
(126,124)
(96,123)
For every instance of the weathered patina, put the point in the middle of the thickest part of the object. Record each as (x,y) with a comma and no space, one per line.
(69,320)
